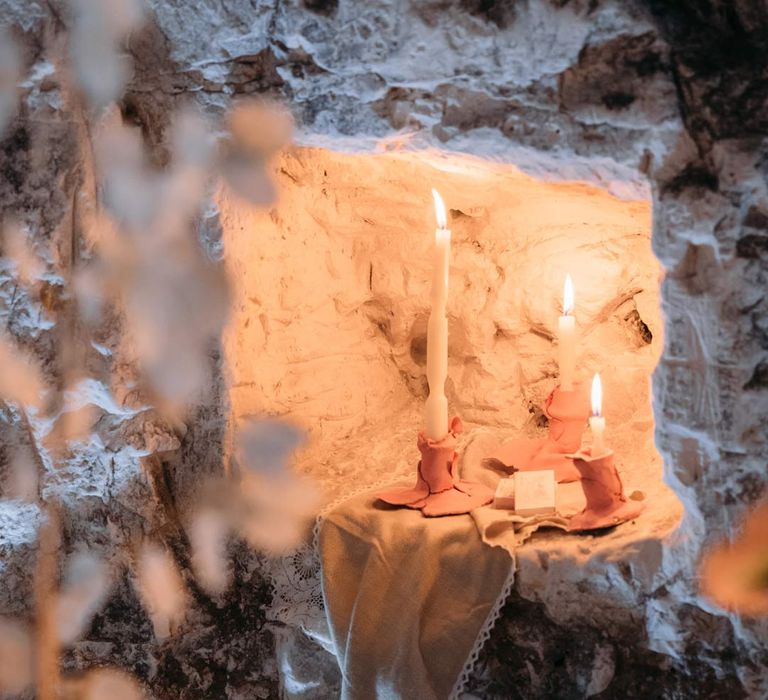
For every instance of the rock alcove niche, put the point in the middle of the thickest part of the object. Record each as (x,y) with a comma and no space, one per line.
(329,330)
(330,307)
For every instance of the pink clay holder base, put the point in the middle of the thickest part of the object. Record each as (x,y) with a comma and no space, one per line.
(606,503)
(567,412)
(438,490)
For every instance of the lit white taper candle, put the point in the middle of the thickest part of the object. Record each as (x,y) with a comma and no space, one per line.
(436,409)
(566,338)
(597,421)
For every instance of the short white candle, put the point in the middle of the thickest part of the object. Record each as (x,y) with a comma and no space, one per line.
(566,338)
(597,421)
(436,409)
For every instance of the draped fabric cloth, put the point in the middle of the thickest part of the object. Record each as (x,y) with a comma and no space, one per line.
(404,602)
(406,597)
(410,599)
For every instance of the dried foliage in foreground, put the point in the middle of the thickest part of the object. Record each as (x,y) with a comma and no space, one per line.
(735,574)
(135,260)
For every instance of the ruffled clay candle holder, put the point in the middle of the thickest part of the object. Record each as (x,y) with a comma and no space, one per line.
(567,412)
(606,503)
(438,490)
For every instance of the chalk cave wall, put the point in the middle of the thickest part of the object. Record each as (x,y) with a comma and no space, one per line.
(330,310)
(619,95)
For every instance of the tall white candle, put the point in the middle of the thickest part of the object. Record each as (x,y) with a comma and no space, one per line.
(566,338)
(436,409)
(597,421)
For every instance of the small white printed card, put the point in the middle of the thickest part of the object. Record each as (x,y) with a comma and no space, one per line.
(535,492)
(527,493)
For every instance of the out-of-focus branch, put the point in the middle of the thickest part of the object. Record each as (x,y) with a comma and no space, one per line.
(45,592)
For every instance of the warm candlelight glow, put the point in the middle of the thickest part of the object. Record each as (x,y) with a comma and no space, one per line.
(442,220)
(567,295)
(597,396)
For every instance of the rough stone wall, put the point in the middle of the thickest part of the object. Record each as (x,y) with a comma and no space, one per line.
(329,320)
(607,92)
(708,396)
(333,281)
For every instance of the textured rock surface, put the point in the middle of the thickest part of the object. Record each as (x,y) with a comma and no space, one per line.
(339,287)
(603,92)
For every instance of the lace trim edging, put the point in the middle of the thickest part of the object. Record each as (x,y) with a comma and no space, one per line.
(484,635)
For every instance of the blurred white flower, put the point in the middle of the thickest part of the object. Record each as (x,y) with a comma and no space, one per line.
(10,72)
(192,149)
(88,283)
(161,589)
(265,444)
(15,657)
(86,585)
(208,538)
(268,505)
(249,179)
(276,511)
(23,477)
(17,247)
(20,379)
(257,130)
(98,29)
(132,191)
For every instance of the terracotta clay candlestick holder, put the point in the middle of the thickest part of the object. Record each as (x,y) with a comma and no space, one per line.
(606,503)
(438,490)
(567,412)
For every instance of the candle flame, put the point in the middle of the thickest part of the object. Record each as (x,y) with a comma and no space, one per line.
(568,296)
(442,221)
(597,396)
